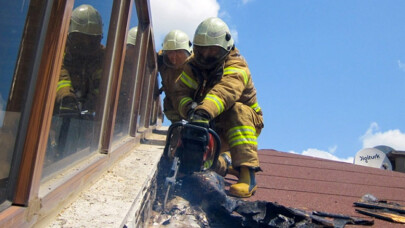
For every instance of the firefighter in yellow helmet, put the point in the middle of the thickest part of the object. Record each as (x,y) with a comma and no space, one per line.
(80,75)
(216,88)
(176,49)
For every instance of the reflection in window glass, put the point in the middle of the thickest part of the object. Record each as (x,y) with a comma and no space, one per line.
(74,130)
(122,119)
(146,99)
(12,20)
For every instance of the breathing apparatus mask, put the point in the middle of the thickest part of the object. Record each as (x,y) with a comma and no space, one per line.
(208,57)
(83,44)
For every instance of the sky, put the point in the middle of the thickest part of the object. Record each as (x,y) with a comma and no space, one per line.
(330,75)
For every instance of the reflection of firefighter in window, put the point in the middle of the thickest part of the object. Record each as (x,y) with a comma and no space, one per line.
(78,86)
(176,49)
(216,87)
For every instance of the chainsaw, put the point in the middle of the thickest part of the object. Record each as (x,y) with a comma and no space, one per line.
(191,148)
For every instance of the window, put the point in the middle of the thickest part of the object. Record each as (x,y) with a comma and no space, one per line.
(128,80)
(77,115)
(149,90)
(38,143)
(12,92)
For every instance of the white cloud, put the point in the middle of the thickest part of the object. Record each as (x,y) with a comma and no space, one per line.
(246,1)
(374,137)
(401,65)
(184,15)
(371,138)
(325,154)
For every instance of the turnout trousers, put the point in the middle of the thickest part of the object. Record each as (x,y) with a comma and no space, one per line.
(238,128)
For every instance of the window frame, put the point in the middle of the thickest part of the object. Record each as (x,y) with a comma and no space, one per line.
(42,102)
(116,46)
(31,45)
(148,85)
(29,200)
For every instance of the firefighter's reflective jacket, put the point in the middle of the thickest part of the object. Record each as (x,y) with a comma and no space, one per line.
(79,80)
(218,91)
(169,76)
(228,95)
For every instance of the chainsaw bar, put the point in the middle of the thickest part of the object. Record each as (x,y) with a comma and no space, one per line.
(171,181)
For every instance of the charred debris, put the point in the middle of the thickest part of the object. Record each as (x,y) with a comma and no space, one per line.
(200,200)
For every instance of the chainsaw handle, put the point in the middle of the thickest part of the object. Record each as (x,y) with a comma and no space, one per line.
(169,133)
(218,143)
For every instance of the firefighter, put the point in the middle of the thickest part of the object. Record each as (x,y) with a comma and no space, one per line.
(79,80)
(176,49)
(216,89)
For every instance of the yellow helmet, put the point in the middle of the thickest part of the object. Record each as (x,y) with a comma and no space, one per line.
(132,35)
(177,40)
(213,32)
(85,19)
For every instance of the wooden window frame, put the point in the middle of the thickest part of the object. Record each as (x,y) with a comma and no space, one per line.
(148,88)
(28,201)
(44,97)
(26,74)
(38,125)
(116,43)
(148,69)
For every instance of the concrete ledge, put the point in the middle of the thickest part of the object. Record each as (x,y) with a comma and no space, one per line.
(122,196)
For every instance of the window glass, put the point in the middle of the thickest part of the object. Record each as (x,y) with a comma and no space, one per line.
(123,116)
(147,92)
(74,132)
(12,21)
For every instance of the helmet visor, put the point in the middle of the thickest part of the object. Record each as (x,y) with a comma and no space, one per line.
(207,57)
(80,43)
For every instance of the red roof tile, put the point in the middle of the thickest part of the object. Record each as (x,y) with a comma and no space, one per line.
(316,184)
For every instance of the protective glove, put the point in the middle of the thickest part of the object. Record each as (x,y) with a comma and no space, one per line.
(199,117)
(69,107)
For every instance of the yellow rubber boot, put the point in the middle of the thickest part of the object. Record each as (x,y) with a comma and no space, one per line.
(246,185)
